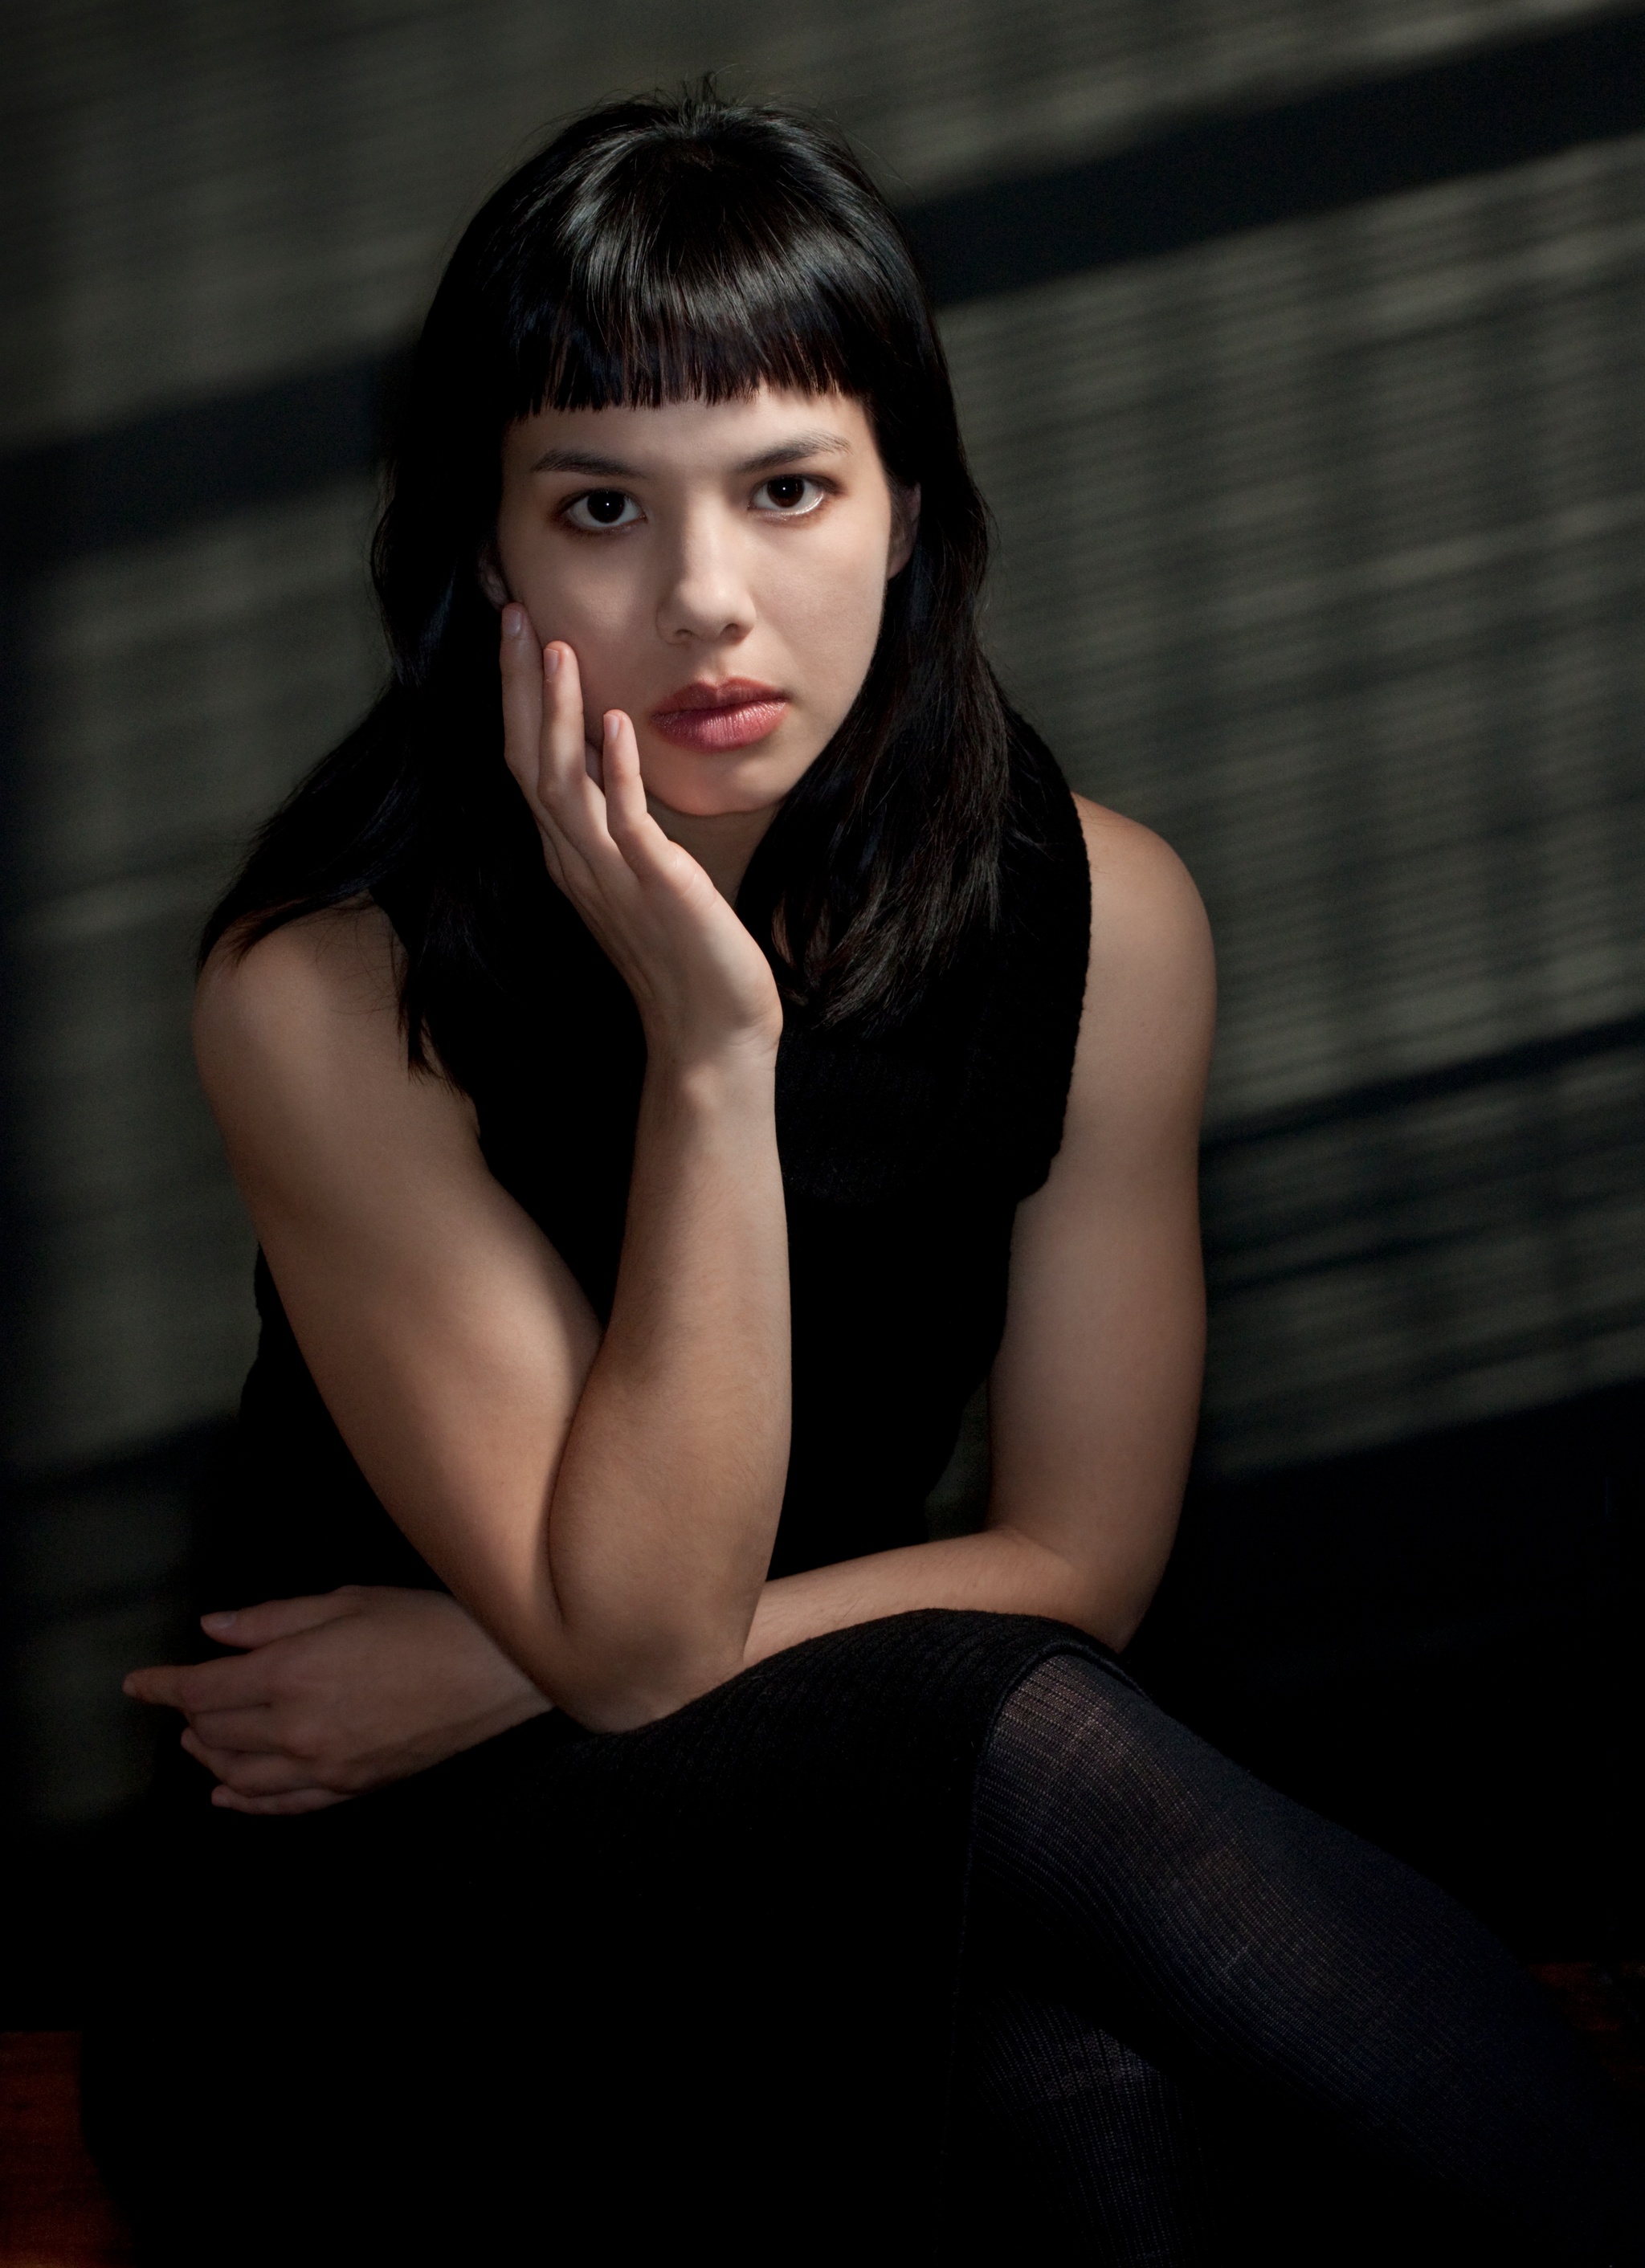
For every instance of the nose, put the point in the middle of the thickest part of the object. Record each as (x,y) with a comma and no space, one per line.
(706,599)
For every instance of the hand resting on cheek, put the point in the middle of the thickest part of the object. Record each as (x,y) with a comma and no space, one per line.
(701,983)
(336,1694)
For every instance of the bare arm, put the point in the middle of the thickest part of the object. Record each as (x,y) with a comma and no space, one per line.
(1095,1390)
(1093,1399)
(604,1505)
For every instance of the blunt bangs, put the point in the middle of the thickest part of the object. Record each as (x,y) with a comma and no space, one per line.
(694,262)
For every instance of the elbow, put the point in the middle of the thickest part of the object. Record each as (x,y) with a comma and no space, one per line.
(1112,1625)
(612,1692)
(1110,1611)
(1116,1631)
(1114,1591)
(615,1656)
(1117,1614)
(1095,1591)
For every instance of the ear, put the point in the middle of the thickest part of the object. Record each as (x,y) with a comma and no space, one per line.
(904,528)
(489,569)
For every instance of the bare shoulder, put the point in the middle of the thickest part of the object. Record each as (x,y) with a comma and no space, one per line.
(1151,989)
(1143,898)
(299,1045)
(296,985)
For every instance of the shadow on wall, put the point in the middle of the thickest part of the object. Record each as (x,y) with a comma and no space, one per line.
(80,1752)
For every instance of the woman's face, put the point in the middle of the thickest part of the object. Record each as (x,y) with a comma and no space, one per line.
(719,571)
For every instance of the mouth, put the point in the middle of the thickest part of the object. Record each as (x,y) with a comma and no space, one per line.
(729,715)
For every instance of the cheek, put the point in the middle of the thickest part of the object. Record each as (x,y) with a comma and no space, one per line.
(595,613)
(831,618)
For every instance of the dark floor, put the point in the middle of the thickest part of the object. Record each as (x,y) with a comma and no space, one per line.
(1438,1644)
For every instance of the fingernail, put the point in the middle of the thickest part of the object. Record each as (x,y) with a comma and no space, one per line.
(218,1622)
(513,621)
(128,1686)
(614,724)
(551,661)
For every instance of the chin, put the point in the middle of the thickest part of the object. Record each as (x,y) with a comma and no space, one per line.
(719,787)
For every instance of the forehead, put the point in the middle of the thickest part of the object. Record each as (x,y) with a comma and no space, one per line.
(681,438)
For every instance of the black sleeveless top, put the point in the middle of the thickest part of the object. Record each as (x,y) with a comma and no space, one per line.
(765,1891)
(904,1158)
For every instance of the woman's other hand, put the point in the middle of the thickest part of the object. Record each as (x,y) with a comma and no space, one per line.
(335,1695)
(703,986)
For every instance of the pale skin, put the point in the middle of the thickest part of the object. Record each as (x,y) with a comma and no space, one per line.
(601,1507)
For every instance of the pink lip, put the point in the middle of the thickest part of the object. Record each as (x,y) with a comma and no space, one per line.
(730,715)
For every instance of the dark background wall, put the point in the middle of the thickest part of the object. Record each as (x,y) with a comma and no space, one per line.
(1299,349)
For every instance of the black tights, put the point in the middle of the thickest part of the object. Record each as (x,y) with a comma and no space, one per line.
(1193,2007)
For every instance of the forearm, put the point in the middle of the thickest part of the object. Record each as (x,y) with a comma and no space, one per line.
(1002,1570)
(667,1493)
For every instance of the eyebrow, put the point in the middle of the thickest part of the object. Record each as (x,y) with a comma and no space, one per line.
(612,469)
(801,445)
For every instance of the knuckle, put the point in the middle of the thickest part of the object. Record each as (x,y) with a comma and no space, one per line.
(302,1738)
(290,1680)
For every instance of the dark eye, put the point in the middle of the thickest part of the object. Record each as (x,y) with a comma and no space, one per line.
(602,508)
(794,494)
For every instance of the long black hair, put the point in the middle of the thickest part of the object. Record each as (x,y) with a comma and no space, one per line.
(658,250)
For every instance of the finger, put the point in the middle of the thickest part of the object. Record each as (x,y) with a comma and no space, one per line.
(563,734)
(647,850)
(246,1626)
(275,1774)
(238,1681)
(246,1732)
(277,1806)
(161,1686)
(543,735)
(570,794)
(624,790)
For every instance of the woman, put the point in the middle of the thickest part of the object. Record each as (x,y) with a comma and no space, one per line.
(650,1152)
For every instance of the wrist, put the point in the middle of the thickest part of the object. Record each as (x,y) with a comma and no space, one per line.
(730,1076)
